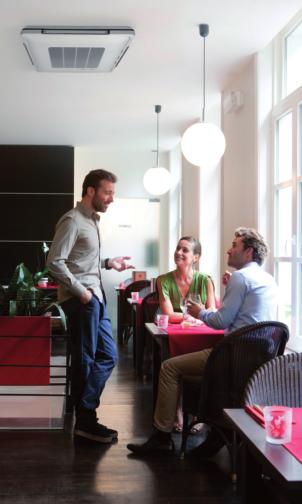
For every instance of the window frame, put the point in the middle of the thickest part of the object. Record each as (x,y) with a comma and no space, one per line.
(282,106)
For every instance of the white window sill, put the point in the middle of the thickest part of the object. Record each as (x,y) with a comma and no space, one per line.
(294,345)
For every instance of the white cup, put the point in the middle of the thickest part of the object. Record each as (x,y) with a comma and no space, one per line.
(135,296)
(278,424)
(162,320)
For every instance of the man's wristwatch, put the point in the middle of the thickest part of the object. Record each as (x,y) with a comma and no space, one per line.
(107,267)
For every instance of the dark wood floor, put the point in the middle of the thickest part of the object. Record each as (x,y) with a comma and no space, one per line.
(48,467)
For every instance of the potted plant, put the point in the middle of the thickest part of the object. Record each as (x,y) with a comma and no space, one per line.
(25,331)
(23,297)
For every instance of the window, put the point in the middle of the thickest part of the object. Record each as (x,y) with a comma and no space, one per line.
(287,188)
(293,57)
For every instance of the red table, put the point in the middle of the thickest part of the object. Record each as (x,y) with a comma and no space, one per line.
(283,471)
(177,340)
(191,339)
(295,446)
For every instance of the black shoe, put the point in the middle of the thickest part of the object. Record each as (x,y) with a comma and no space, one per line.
(208,448)
(156,443)
(87,426)
(95,432)
(113,433)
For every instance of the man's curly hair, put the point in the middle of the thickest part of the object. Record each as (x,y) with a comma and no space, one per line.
(251,238)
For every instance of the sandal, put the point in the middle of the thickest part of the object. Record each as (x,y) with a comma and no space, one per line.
(177,428)
(196,428)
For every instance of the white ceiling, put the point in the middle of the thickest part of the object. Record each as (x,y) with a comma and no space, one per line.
(163,65)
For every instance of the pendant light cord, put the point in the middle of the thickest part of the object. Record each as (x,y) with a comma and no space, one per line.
(204,32)
(157,153)
(157,110)
(204,80)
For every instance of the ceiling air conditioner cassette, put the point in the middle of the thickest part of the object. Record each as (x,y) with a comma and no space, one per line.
(76,49)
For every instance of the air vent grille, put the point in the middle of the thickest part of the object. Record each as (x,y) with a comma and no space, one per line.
(76,49)
(75,57)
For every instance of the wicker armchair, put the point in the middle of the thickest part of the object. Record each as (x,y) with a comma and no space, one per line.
(230,365)
(279,382)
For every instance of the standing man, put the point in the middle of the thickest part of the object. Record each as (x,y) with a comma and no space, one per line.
(74,260)
(250,297)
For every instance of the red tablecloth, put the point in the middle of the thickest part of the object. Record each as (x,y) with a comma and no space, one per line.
(191,339)
(295,446)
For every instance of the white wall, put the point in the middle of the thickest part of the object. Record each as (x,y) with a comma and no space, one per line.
(129,166)
(201,207)
(264,141)
(239,166)
(190,199)
(174,206)
(210,229)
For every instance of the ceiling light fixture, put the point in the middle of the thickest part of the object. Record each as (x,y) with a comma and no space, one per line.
(203,143)
(157,181)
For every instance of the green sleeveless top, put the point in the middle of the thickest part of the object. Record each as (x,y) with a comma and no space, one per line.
(170,289)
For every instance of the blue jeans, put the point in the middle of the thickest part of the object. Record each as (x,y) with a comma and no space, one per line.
(93,350)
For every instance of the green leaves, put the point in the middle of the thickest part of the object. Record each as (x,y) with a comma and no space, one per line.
(21,278)
(56,306)
(28,300)
(22,297)
(45,247)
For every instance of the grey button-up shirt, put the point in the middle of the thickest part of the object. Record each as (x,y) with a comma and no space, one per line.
(74,258)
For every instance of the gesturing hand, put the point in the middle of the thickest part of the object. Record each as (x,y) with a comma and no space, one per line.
(226,277)
(119,263)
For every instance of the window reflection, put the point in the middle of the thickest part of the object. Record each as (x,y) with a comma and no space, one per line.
(293,67)
(299,245)
(283,232)
(283,276)
(284,149)
(299,313)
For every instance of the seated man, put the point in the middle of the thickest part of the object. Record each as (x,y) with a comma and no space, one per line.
(250,297)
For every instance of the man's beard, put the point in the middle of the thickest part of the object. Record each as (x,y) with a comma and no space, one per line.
(98,206)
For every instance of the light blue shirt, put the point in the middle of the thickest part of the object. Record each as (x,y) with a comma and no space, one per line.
(250,296)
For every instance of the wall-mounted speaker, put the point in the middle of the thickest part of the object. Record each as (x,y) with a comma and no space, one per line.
(232,102)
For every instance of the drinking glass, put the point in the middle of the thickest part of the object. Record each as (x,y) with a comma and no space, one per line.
(195,298)
(183,306)
(278,424)
(162,320)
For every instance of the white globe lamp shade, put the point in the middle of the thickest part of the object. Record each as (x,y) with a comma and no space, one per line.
(157,181)
(203,144)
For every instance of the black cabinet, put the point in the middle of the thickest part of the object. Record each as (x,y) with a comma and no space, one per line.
(36,188)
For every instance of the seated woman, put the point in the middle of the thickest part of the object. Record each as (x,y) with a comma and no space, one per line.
(184,280)
(181,283)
